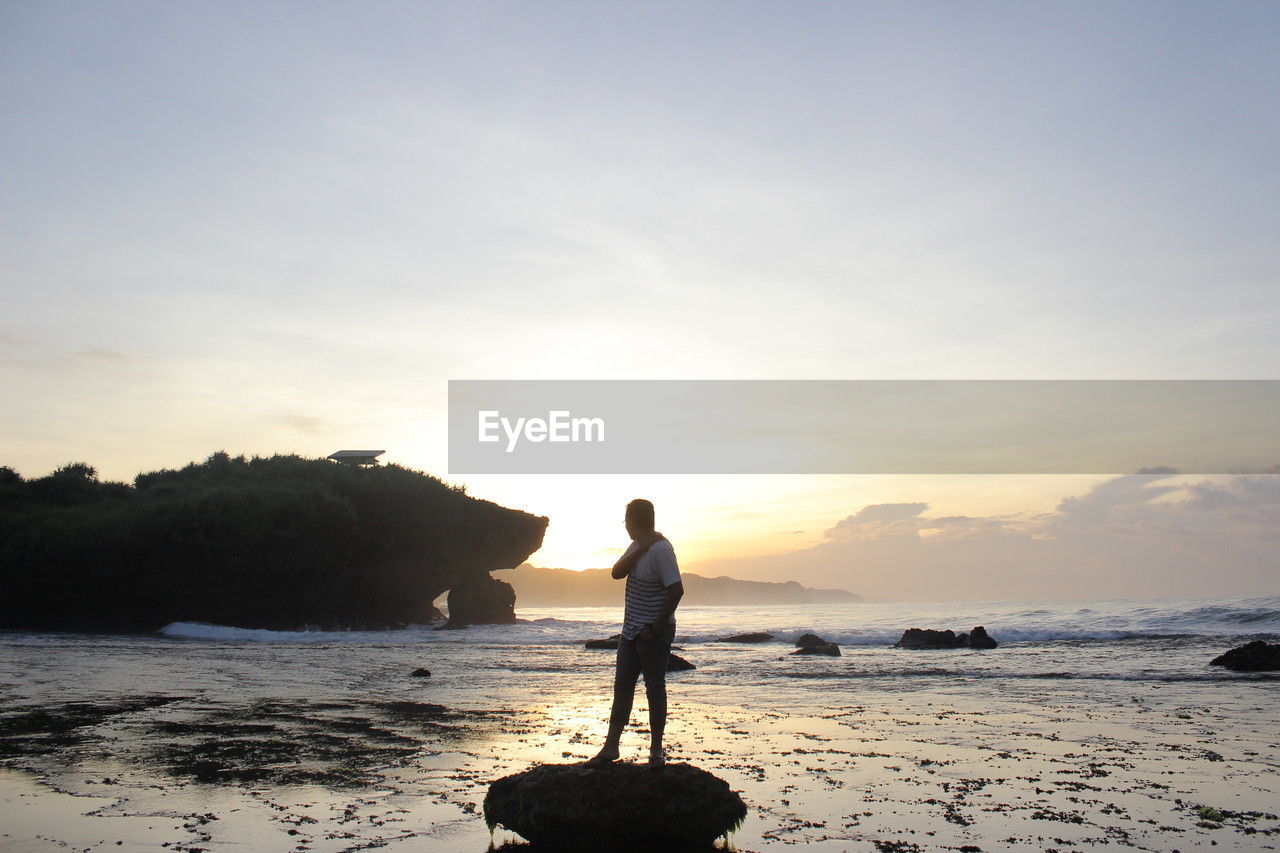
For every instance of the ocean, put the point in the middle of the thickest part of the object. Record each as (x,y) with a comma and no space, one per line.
(167,705)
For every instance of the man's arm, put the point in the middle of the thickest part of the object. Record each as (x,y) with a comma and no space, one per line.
(675,592)
(669,572)
(628,560)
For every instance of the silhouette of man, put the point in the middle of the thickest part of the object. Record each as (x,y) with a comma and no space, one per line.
(654,589)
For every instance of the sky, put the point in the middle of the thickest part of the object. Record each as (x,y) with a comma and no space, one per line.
(283,227)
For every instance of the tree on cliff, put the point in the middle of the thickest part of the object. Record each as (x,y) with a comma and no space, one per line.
(276,542)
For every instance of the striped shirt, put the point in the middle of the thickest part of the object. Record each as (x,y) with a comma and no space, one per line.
(647,587)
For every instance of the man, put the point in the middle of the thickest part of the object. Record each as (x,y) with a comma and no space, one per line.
(654,590)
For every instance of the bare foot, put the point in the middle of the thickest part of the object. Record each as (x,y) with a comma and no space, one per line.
(607,755)
(657,758)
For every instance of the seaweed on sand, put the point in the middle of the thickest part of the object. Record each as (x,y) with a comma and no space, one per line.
(45,729)
(343,744)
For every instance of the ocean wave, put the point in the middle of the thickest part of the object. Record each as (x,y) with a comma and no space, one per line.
(569,632)
(1052,675)
(1006,636)
(860,625)
(523,631)
(231,633)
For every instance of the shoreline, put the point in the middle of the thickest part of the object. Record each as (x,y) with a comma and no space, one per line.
(939,769)
(334,746)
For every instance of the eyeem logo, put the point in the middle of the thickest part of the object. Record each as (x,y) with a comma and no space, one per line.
(872,426)
(559,426)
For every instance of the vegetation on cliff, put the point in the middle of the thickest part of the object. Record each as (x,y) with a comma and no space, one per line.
(277,542)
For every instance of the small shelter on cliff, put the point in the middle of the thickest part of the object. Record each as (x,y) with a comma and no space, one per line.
(356,457)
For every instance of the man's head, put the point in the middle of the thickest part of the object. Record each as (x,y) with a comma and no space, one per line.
(639,517)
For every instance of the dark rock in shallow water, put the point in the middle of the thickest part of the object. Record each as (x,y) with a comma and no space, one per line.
(830,649)
(1257,656)
(918,638)
(747,638)
(482,600)
(675,663)
(810,640)
(980,639)
(421,672)
(615,807)
(812,644)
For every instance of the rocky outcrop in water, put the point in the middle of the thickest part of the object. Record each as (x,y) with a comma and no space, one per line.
(675,663)
(616,806)
(1257,656)
(747,638)
(281,542)
(807,640)
(482,600)
(830,650)
(923,638)
(812,644)
(978,638)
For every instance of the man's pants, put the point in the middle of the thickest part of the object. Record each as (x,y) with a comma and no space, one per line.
(647,657)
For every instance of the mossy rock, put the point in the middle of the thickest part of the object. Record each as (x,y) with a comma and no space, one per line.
(617,806)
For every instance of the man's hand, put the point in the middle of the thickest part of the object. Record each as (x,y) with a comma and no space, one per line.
(628,560)
(647,633)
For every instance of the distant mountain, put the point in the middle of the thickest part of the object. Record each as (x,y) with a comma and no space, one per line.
(538,587)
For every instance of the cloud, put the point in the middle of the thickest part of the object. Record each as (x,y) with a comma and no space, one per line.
(1250,503)
(877,520)
(1122,491)
(1133,535)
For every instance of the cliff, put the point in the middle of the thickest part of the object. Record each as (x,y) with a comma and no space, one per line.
(279,542)
(537,587)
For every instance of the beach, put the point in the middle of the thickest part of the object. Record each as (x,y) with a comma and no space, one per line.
(1090,730)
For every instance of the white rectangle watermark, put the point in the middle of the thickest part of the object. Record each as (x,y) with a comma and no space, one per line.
(863,426)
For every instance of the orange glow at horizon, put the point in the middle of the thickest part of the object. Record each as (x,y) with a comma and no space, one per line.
(725,517)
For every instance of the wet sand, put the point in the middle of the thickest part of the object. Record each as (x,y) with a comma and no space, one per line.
(1148,766)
